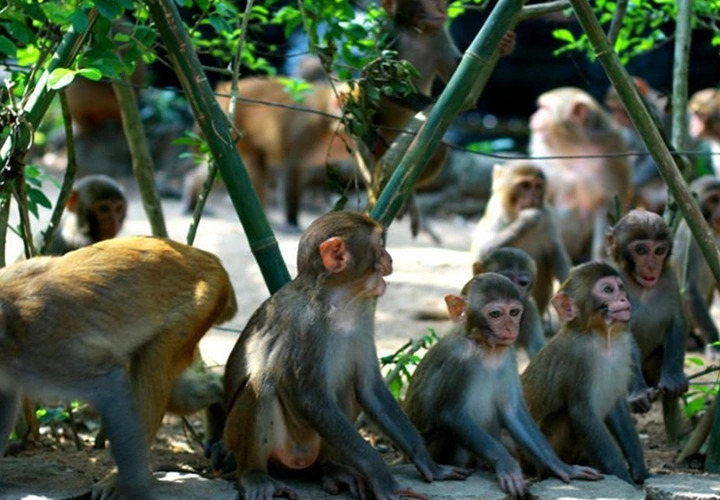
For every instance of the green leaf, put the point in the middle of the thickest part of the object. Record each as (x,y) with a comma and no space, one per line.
(60,78)
(35,12)
(80,21)
(694,360)
(7,46)
(109,9)
(90,73)
(37,196)
(564,34)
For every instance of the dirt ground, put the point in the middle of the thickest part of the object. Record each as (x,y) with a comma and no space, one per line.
(423,273)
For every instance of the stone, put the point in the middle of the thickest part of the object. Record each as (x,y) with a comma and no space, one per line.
(608,488)
(683,487)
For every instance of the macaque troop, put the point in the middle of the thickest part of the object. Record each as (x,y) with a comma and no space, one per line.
(578,307)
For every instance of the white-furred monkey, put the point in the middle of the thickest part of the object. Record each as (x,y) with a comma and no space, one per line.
(517,216)
(114,324)
(641,244)
(704,106)
(466,389)
(569,122)
(518,267)
(95,212)
(576,386)
(305,365)
(690,266)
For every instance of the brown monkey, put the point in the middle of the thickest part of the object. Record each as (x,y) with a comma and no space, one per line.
(518,267)
(576,386)
(466,388)
(287,139)
(95,211)
(83,325)
(569,122)
(306,364)
(641,245)
(517,216)
(691,268)
(704,106)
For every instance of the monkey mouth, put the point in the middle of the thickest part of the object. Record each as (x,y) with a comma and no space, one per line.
(647,280)
(621,314)
(505,339)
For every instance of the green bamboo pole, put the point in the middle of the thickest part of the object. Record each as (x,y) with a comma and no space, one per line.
(216,128)
(683,36)
(468,80)
(640,116)
(39,101)
(143,166)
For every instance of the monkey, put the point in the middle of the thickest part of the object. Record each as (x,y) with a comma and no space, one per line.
(569,122)
(466,388)
(704,107)
(95,211)
(305,364)
(576,386)
(649,189)
(83,325)
(517,216)
(518,267)
(278,137)
(694,274)
(641,244)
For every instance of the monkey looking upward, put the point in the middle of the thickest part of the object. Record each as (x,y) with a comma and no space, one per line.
(640,244)
(576,386)
(466,388)
(569,122)
(518,267)
(691,268)
(517,216)
(306,364)
(95,211)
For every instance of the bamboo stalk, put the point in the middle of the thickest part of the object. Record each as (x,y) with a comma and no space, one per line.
(466,83)
(216,128)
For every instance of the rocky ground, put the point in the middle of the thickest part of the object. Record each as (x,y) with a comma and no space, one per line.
(423,273)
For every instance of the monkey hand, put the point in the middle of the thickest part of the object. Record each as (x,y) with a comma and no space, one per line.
(109,488)
(569,472)
(673,384)
(639,473)
(529,218)
(431,471)
(260,486)
(641,400)
(335,478)
(510,476)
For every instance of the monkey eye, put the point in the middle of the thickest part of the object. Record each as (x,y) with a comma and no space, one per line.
(495,314)
(608,289)
(713,199)
(660,250)
(515,312)
(525,185)
(523,282)
(641,250)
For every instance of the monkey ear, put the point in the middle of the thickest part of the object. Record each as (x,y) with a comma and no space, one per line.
(565,306)
(334,254)
(73,201)
(456,308)
(498,171)
(579,111)
(610,242)
(477,268)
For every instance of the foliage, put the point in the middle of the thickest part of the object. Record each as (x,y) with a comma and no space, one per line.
(646,25)
(398,365)
(700,394)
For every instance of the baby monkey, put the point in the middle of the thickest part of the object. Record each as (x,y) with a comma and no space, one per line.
(467,389)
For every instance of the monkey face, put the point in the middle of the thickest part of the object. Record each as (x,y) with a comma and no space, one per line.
(502,321)
(648,258)
(711,209)
(107,218)
(528,193)
(611,299)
